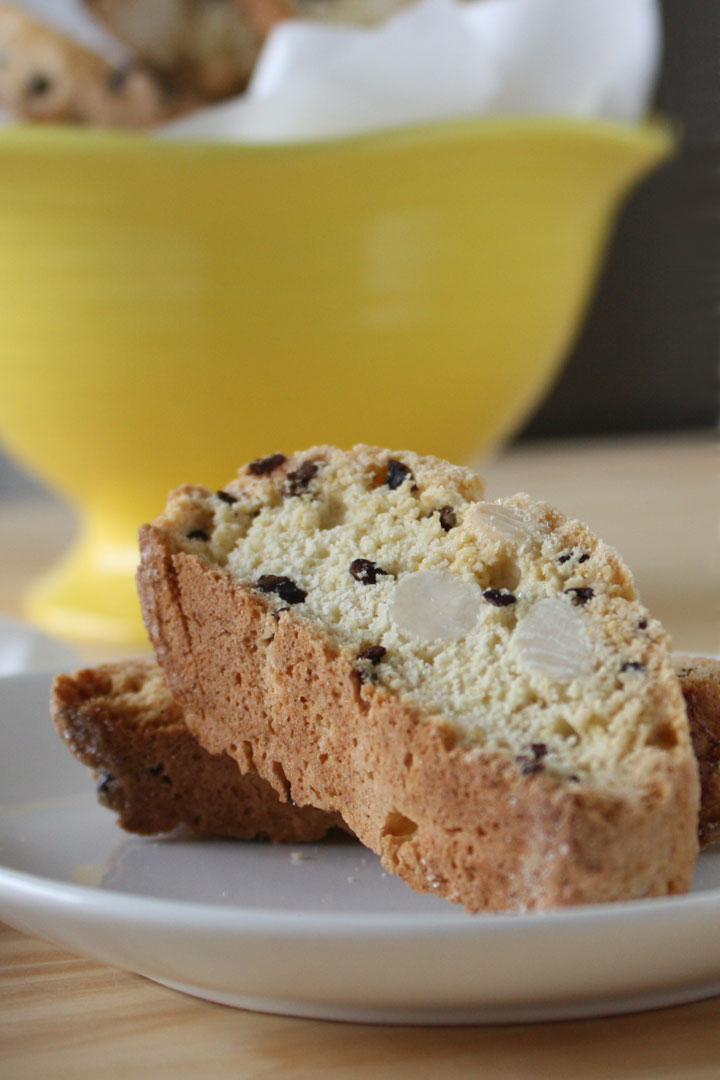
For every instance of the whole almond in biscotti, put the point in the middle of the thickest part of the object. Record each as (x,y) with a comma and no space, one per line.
(471,684)
(46,77)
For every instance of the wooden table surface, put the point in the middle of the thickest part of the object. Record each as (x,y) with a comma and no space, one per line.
(655,499)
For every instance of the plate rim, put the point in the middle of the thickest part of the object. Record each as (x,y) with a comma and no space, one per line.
(172,941)
(136,907)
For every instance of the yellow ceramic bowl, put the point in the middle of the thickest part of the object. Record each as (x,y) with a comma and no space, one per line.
(169,310)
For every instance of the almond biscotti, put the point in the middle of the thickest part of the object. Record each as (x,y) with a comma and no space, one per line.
(700,683)
(472,685)
(47,77)
(211,48)
(121,720)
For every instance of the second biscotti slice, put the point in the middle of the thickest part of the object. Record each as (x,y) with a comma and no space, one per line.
(471,684)
(700,683)
(121,720)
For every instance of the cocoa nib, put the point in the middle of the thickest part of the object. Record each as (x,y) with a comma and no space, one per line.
(159,770)
(265,465)
(581,595)
(448,518)
(226,497)
(296,482)
(374,654)
(499,597)
(365,571)
(642,625)
(38,85)
(284,587)
(198,534)
(529,765)
(532,764)
(569,554)
(398,473)
(366,661)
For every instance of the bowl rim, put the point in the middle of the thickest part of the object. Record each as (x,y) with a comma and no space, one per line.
(655,138)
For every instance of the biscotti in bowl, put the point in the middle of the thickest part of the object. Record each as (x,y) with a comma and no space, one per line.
(471,684)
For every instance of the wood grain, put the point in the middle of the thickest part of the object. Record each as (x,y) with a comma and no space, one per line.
(63,1016)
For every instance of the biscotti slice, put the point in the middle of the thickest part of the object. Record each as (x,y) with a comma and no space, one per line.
(209,48)
(47,77)
(472,685)
(700,683)
(121,720)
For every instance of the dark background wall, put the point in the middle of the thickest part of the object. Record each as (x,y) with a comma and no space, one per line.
(647,357)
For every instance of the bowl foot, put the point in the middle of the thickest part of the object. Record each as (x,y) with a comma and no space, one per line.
(91,594)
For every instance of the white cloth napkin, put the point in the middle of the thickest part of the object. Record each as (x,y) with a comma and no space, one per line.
(444,58)
(433,59)
(23,648)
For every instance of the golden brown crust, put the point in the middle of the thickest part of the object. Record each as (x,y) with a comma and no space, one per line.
(113,724)
(700,684)
(464,824)
(121,720)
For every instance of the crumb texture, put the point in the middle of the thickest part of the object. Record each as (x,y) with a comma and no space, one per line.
(515,624)
(122,721)
(473,684)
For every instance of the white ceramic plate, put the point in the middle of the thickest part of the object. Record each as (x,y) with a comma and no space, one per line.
(326,935)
